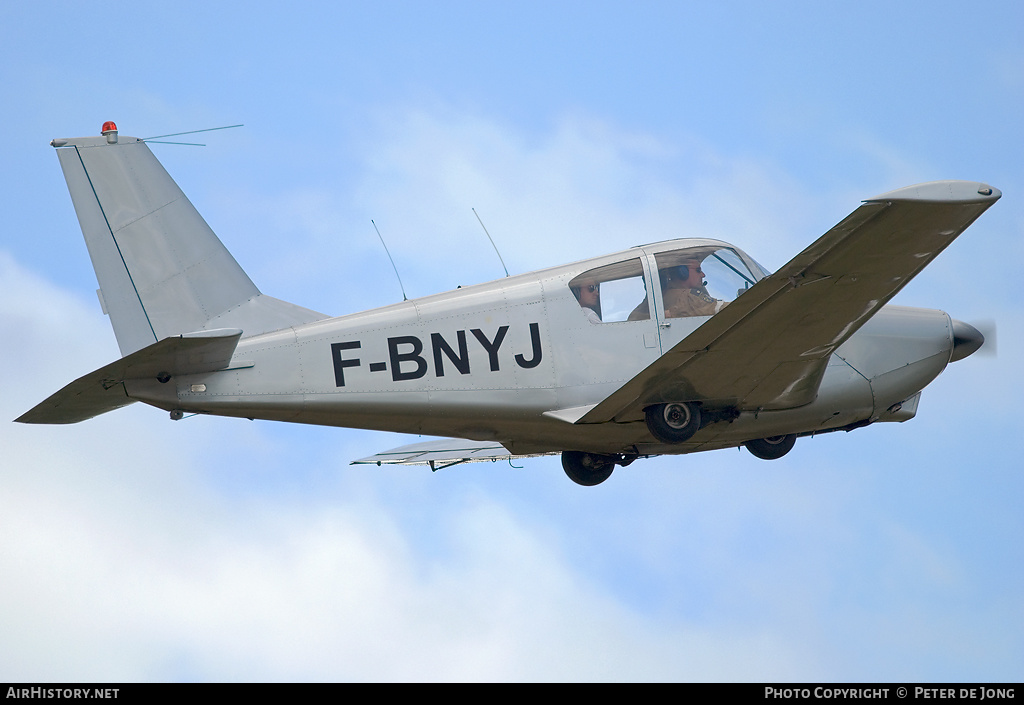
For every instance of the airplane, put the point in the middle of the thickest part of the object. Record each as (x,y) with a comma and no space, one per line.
(667,348)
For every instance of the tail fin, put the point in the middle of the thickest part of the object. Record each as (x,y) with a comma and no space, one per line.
(162,271)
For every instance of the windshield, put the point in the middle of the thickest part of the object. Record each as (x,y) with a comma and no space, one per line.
(700,281)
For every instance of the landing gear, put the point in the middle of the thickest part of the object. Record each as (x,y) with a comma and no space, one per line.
(673,423)
(771,448)
(587,469)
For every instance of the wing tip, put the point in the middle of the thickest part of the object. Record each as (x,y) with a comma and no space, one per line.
(943,191)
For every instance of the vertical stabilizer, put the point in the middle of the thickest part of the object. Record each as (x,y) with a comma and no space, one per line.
(162,271)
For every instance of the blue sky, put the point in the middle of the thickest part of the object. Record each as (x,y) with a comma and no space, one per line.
(134,548)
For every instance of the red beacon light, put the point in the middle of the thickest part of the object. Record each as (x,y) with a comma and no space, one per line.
(109,130)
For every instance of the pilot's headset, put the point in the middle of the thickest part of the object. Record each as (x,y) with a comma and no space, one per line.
(683,271)
(680,272)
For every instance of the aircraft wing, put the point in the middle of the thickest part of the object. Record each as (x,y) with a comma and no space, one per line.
(443,453)
(103,390)
(768,349)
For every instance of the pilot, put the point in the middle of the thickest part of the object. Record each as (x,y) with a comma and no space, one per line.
(683,293)
(589,296)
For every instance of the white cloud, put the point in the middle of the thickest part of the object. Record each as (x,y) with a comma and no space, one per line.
(580,188)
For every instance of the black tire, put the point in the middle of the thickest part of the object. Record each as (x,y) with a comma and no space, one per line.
(771,448)
(587,469)
(673,423)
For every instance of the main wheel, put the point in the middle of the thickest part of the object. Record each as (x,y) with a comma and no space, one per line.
(587,469)
(673,423)
(771,448)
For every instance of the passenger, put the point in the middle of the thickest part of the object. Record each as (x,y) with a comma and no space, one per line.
(589,296)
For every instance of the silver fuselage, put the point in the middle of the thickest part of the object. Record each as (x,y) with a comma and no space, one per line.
(491,361)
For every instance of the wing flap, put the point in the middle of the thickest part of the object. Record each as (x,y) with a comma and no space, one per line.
(768,349)
(443,453)
(570,415)
(103,390)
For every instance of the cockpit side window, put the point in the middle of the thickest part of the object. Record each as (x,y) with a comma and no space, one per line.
(701,281)
(608,294)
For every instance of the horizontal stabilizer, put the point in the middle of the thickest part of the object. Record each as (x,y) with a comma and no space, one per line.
(443,453)
(103,390)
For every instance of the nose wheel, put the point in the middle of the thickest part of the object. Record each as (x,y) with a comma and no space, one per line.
(587,469)
(771,448)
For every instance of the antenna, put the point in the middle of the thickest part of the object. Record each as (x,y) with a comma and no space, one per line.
(404,297)
(491,239)
(156,138)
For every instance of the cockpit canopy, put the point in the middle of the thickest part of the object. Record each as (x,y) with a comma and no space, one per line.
(689,281)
